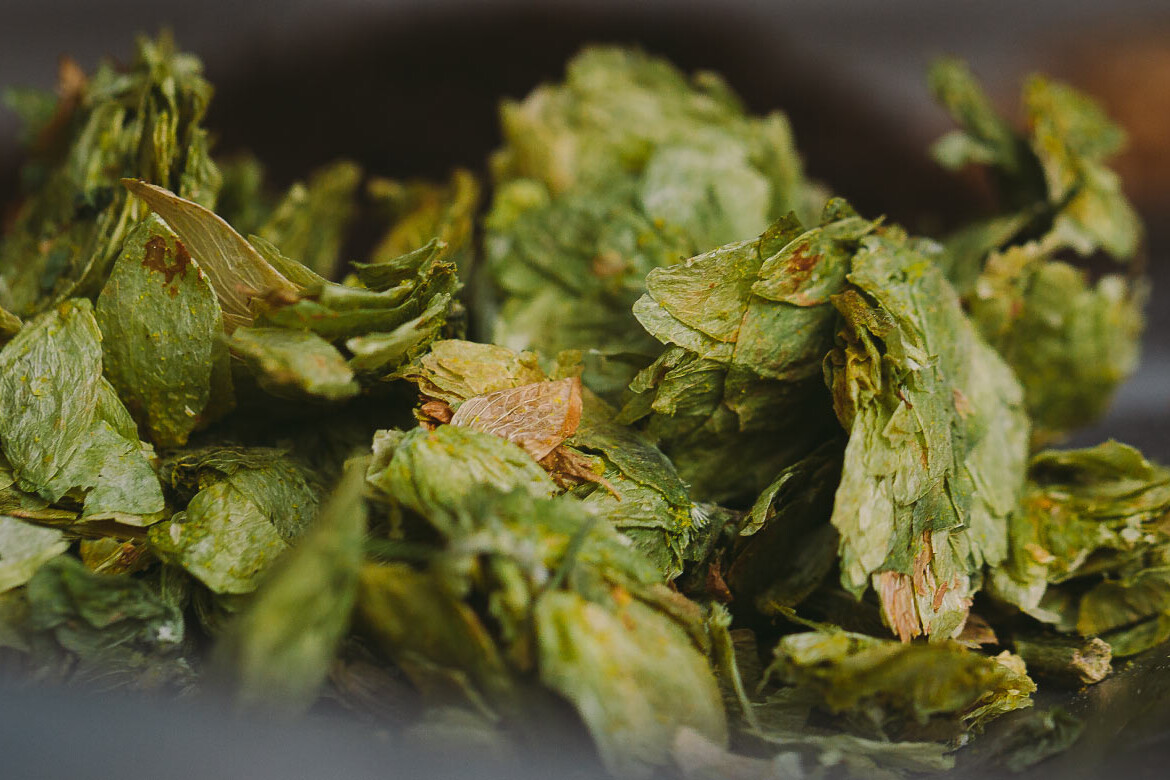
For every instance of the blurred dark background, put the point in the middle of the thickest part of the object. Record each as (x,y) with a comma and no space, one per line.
(410,87)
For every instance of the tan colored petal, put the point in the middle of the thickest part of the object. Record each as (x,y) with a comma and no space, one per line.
(537,416)
(897,596)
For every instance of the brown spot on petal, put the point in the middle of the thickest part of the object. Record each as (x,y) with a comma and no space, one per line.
(802,263)
(939,595)
(923,578)
(156,255)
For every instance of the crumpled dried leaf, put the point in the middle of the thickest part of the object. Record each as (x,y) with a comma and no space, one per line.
(142,122)
(1071,342)
(431,472)
(985,137)
(623,670)
(642,494)
(1041,313)
(279,484)
(437,640)
(569,270)
(1089,546)
(126,488)
(1071,138)
(249,506)
(63,429)
(294,364)
(454,370)
(787,546)
(747,326)
(28,506)
(545,570)
(221,538)
(937,440)
(276,655)
(381,352)
(385,316)
(625,167)
(1061,163)
(108,622)
(617,107)
(341,311)
(23,548)
(50,377)
(161,329)
(900,686)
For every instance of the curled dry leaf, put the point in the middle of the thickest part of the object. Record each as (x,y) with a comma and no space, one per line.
(435,413)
